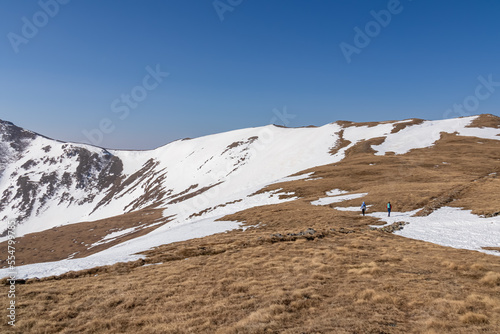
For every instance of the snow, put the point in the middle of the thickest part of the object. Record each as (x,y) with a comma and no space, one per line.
(113,235)
(336,192)
(351,208)
(447,226)
(337,199)
(358,133)
(426,134)
(305,177)
(152,264)
(314,179)
(48,216)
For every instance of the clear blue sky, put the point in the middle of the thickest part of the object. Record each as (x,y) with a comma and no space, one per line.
(86,56)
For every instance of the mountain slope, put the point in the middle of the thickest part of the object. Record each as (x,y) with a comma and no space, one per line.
(308,262)
(194,182)
(42,175)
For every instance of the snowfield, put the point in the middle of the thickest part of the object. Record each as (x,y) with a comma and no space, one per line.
(451,227)
(447,226)
(427,133)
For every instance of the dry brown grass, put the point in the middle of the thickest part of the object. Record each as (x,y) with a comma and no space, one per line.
(247,282)
(491,278)
(486,120)
(60,242)
(471,318)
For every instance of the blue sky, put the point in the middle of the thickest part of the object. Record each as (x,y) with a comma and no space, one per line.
(83,71)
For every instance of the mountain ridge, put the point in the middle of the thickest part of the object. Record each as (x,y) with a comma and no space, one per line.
(199,181)
(117,172)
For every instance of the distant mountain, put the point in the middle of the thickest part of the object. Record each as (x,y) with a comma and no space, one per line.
(40,177)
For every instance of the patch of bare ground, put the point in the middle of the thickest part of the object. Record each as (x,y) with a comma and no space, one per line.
(402,125)
(153,191)
(197,214)
(358,124)
(340,144)
(486,121)
(397,125)
(192,194)
(75,240)
(364,146)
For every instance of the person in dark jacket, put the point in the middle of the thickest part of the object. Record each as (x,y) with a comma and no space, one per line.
(389,208)
(363,208)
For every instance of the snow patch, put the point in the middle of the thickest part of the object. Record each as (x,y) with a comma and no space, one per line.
(350,208)
(426,134)
(447,226)
(337,199)
(295,178)
(314,179)
(336,192)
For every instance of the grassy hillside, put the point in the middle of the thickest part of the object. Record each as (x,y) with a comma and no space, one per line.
(351,280)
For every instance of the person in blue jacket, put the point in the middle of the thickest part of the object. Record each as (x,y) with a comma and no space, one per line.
(389,208)
(363,208)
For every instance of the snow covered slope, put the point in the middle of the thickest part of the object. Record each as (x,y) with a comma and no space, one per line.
(450,227)
(46,183)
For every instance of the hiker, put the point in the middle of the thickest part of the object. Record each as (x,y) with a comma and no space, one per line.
(363,208)
(389,207)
